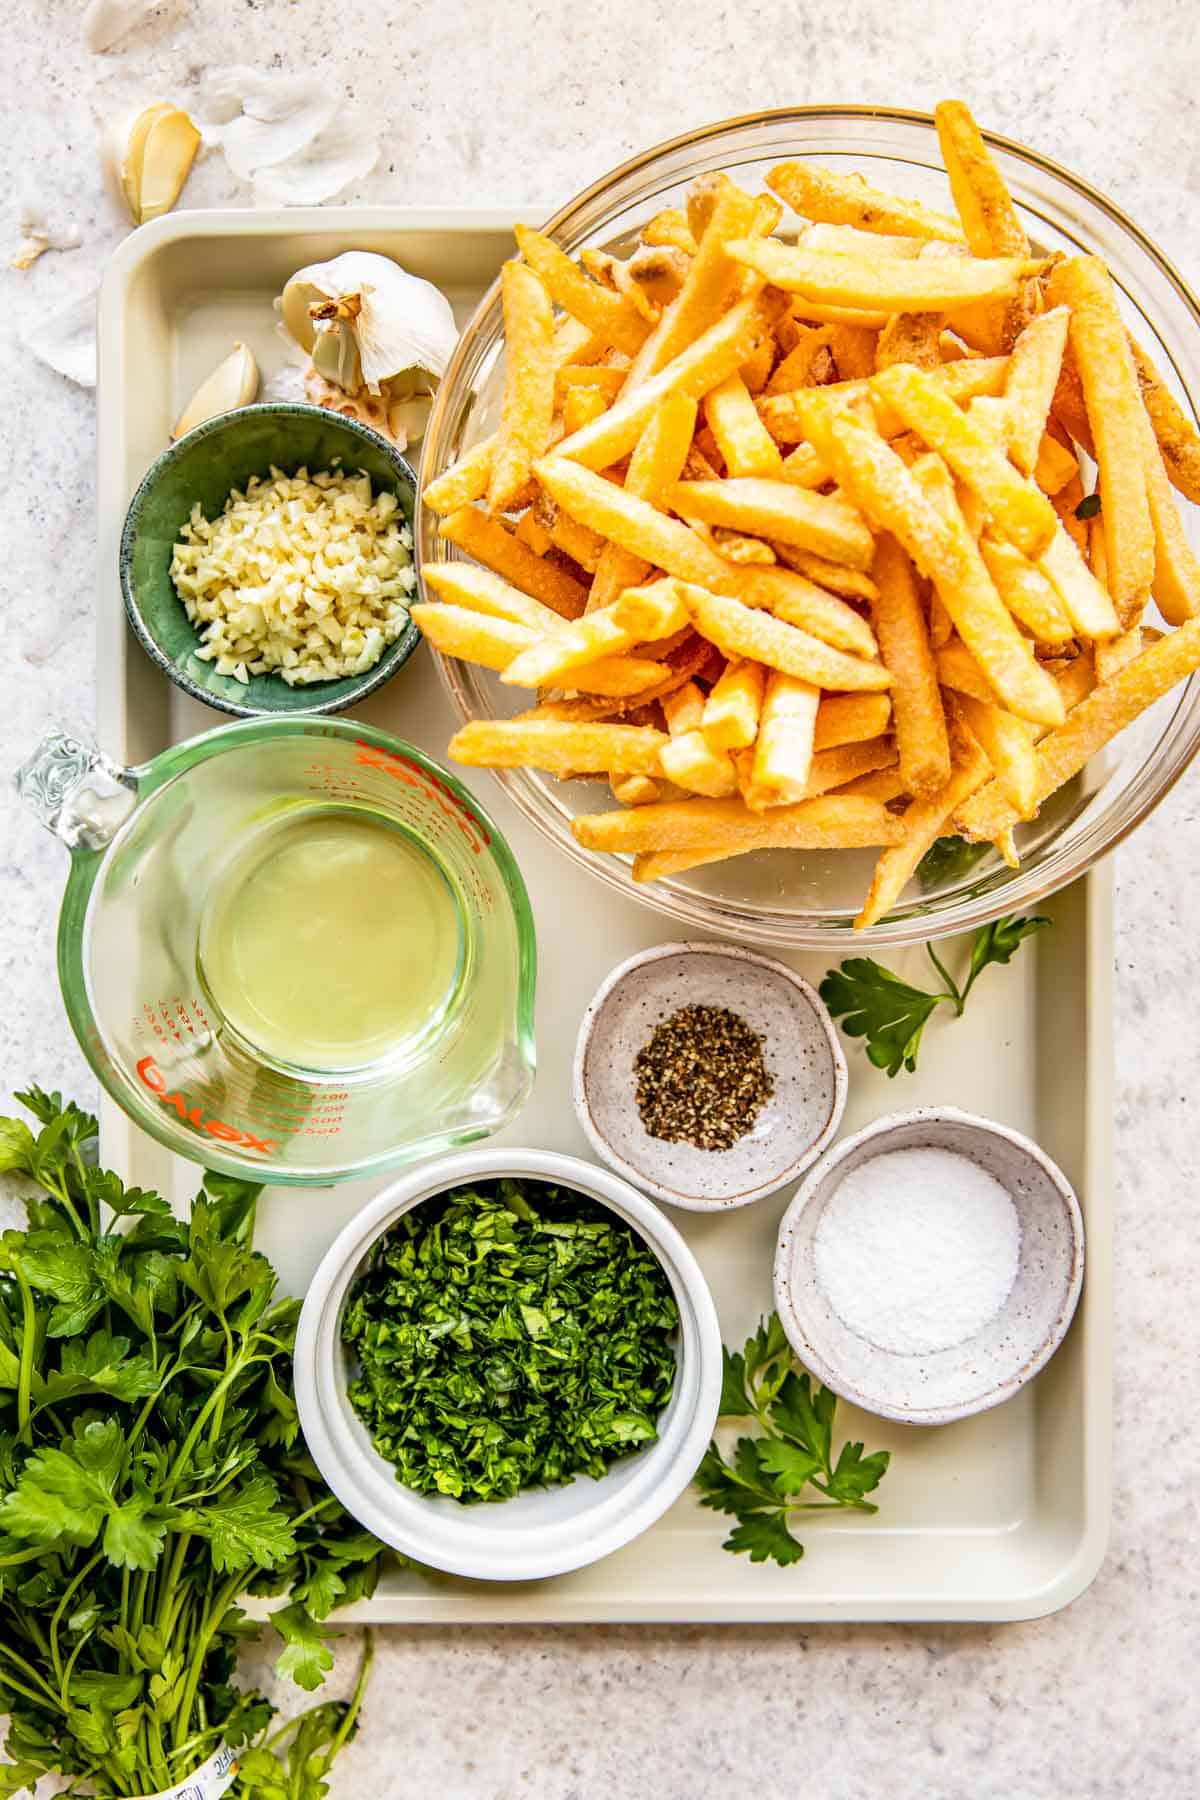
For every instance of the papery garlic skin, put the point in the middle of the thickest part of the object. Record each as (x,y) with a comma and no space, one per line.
(365,321)
(233,383)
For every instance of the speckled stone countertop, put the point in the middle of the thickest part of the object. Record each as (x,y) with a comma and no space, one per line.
(485,104)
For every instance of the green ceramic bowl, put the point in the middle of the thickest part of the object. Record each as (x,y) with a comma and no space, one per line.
(219,455)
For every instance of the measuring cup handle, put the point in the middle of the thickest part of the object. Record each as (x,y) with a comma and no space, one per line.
(77,792)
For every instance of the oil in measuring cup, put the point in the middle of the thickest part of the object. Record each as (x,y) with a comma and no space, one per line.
(332,940)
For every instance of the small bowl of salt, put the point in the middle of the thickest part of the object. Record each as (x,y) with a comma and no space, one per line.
(930,1265)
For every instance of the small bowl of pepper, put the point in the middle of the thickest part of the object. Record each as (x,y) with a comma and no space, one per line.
(709,1075)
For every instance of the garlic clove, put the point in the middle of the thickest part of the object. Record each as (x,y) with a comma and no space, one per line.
(149,156)
(233,383)
(170,150)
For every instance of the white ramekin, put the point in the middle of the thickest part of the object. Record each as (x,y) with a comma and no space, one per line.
(542,1531)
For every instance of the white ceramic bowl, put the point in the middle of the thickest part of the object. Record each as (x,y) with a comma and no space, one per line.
(800,1049)
(542,1531)
(932,1388)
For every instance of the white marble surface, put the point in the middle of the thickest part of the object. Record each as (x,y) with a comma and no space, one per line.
(483,103)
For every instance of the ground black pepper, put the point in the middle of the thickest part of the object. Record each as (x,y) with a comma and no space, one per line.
(701,1078)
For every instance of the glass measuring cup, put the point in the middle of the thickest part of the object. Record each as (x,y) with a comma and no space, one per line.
(152,848)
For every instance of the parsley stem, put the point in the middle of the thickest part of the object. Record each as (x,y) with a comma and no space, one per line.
(225,1597)
(56,1617)
(952,991)
(28,1338)
(11,1681)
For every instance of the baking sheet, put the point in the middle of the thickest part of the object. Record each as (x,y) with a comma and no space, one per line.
(1000,1517)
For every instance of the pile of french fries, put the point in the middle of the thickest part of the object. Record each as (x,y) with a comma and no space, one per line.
(791,535)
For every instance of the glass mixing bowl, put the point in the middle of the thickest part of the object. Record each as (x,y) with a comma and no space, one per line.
(779,897)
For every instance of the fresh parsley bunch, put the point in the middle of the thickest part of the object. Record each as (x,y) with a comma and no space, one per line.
(892,1014)
(791,1467)
(151,1473)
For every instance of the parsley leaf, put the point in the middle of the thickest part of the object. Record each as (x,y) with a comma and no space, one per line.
(306,1657)
(769,1477)
(1088,507)
(892,1014)
(948,860)
(248,1527)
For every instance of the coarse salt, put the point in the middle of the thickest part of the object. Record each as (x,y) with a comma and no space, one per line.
(917,1249)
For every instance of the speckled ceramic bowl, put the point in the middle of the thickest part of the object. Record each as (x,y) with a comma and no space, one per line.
(204,466)
(934,1387)
(800,1048)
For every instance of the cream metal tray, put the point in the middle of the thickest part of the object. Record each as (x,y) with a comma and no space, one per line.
(1002,1517)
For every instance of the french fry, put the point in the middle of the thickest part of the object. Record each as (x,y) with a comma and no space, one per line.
(783,749)
(746,552)
(530,531)
(746,445)
(1007,742)
(853,349)
(1084,601)
(739,631)
(635,790)
(499,643)
(582,545)
(699,367)
(656,865)
(804,467)
(559,747)
(657,460)
(712,282)
(1055,465)
(670,227)
(606,315)
(943,549)
(798,601)
(824,523)
(1065,503)
(819,194)
(1020,511)
(825,822)
(1114,407)
(989,218)
(1176,585)
(1175,433)
(1113,653)
(854,239)
(1068,409)
(850,719)
(889,284)
(843,763)
(1033,373)
(883,784)
(852,584)
(1091,724)
(635,525)
(465,481)
(911,337)
(957,669)
(918,718)
(691,763)
(488,541)
(580,406)
(465,584)
(610,632)
(731,712)
(684,709)
(785,417)
(527,410)
(603,377)
(924,821)
(799,367)
(1029,595)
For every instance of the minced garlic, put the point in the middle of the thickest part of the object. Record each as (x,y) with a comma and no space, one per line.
(304,576)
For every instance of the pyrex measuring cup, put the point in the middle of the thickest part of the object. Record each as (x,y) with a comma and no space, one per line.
(151,846)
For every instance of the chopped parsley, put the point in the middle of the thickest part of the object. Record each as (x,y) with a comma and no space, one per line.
(509,1335)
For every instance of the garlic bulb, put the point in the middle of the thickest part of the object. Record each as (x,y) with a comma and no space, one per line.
(149,155)
(232,383)
(365,321)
